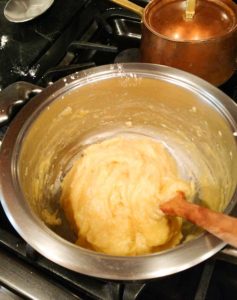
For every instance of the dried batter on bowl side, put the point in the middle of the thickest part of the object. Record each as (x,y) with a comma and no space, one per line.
(111,196)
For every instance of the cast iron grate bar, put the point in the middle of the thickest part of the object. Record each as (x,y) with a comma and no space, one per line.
(92,46)
(58,72)
(93,287)
(27,282)
(204,282)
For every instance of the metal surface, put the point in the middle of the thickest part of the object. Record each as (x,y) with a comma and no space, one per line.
(230,251)
(92,287)
(23,136)
(204,283)
(130,5)
(212,19)
(190,9)
(25,10)
(192,46)
(199,45)
(14,96)
(5,294)
(206,49)
(29,282)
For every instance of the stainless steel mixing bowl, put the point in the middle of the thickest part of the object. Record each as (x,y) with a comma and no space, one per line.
(195,120)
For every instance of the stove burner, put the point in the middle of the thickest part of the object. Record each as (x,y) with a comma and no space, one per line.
(128,55)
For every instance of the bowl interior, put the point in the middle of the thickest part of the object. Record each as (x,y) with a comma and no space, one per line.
(194,129)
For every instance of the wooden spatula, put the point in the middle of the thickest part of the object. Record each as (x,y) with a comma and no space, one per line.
(222,226)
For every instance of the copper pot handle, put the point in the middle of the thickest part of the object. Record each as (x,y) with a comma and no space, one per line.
(14,96)
(130,5)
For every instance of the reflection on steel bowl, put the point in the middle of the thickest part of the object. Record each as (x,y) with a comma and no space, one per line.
(195,121)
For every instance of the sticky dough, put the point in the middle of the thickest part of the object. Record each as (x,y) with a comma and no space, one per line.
(111,196)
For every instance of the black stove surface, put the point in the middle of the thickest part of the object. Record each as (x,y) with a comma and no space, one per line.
(22,45)
(28,49)
(74,35)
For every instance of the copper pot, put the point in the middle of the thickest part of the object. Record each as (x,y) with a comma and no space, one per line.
(204,45)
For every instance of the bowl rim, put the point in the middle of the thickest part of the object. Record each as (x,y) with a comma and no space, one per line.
(78,259)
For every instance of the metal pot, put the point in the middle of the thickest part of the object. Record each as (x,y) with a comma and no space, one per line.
(193,118)
(204,45)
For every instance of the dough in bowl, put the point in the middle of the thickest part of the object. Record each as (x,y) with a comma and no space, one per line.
(112,193)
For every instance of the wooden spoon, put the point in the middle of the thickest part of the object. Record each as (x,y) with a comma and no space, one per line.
(222,226)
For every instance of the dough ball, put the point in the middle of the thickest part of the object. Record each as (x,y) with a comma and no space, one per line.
(111,196)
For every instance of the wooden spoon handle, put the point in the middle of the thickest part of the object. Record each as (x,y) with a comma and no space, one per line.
(222,226)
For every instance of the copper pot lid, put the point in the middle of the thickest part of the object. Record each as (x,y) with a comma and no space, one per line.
(212,18)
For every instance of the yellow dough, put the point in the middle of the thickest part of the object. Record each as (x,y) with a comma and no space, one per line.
(111,196)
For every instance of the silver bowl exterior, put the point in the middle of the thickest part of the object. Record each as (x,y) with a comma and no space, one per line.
(35,232)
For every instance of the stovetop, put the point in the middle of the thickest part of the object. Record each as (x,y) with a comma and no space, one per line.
(74,35)
(23,45)
(63,35)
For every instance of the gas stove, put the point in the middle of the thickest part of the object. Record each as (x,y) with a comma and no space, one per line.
(73,36)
